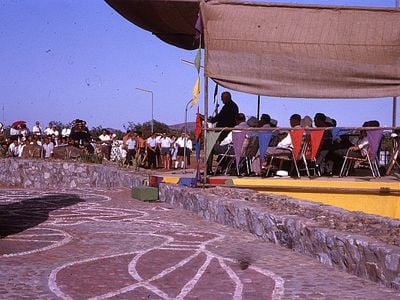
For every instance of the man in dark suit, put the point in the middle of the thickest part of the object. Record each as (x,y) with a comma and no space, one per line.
(226,117)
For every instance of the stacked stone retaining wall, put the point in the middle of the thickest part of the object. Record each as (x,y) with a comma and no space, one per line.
(357,254)
(55,174)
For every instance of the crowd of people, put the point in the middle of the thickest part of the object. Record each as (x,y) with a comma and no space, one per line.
(159,150)
(14,141)
(162,150)
(334,145)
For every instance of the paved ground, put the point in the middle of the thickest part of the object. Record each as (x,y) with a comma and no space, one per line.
(100,244)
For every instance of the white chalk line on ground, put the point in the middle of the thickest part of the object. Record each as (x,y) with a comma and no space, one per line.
(187,288)
(66,238)
(84,212)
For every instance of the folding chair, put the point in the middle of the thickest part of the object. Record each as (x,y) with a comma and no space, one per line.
(240,143)
(264,139)
(240,153)
(395,154)
(248,153)
(295,154)
(314,143)
(225,160)
(371,159)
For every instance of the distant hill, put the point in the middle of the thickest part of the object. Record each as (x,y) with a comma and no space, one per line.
(181,126)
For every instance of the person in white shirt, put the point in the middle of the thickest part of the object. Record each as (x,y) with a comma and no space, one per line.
(21,146)
(285,146)
(286,142)
(24,131)
(37,129)
(130,145)
(105,138)
(158,149)
(66,131)
(182,142)
(13,149)
(15,131)
(48,147)
(226,142)
(49,129)
(165,145)
(56,133)
(151,146)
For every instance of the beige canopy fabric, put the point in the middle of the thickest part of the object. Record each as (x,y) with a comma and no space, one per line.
(302,51)
(172,21)
(283,50)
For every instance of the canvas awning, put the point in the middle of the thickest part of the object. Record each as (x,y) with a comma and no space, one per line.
(172,21)
(283,50)
(302,51)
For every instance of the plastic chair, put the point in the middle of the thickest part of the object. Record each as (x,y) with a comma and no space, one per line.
(371,159)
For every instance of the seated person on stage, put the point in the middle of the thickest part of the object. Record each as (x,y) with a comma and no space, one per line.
(265,121)
(286,142)
(320,120)
(306,122)
(358,149)
(253,122)
(222,147)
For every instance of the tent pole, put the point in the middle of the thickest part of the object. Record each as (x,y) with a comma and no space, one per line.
(205,120)
(394,110)
(205,125)
(258,106)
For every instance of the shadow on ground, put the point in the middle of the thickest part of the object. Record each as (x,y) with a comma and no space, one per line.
(19,216)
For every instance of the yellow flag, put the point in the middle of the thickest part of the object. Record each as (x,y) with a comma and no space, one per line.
(196,92)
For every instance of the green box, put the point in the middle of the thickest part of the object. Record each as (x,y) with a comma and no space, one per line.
(145,193)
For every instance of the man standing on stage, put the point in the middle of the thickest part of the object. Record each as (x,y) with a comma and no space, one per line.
(226,117)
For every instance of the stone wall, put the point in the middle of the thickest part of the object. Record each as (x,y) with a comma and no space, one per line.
(357,254)
(54,174)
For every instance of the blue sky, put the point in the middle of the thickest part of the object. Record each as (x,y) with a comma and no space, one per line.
(67,59)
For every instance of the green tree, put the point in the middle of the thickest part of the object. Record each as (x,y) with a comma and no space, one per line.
(97,130)
(59,124)
(145,128)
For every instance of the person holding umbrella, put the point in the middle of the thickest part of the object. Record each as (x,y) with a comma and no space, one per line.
(16,129)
